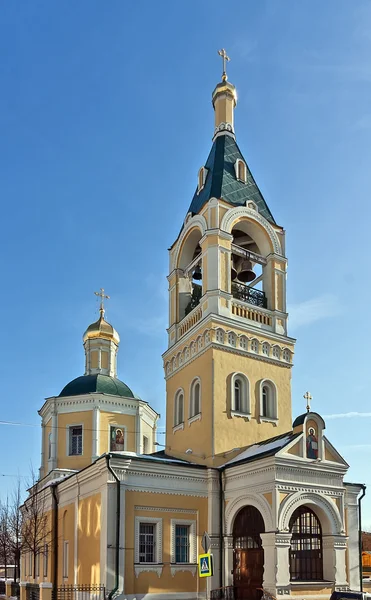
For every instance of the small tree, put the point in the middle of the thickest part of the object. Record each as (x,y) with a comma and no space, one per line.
(15,527)
(35,524)
(5,550)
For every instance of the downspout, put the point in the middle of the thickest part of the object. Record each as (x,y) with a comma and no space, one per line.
(118,518)
(360,536)
(221,524)
(55,540)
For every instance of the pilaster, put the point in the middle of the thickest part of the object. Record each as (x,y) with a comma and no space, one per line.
(95,451)
(334,563)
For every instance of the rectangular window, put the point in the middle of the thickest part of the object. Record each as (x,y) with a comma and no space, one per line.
(65,559)
(46,559)
(182,543)
(147,542)
(29,563)
(145,444)
(49,445)
(75,440)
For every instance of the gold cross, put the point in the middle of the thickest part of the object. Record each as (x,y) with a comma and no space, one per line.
(226,59)
(308,398)
(102,297)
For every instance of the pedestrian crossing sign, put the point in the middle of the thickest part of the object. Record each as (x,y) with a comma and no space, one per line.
(205,565)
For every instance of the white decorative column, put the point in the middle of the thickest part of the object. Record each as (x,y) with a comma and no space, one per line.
(276,578)
(228,559)
(95,434)
(52,462)
(213,527)
(334,563)
(352,525)
(41,470)
(138,430)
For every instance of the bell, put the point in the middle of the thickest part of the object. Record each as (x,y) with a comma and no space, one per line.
(197,274)
(245,271)
(233,270)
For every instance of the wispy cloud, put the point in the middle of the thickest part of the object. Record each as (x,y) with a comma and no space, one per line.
(348,415)
(315,309)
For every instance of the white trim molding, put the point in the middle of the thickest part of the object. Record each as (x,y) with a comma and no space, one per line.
(156,566)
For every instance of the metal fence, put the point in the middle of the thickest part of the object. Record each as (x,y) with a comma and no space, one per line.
(224,593)
(14,587)
(32,591)
(79,592)
(2,587)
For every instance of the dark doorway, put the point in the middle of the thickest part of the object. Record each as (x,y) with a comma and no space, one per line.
(248,560)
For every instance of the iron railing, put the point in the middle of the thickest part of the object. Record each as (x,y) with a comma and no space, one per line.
(32,591)
(14,589)
(79,592)
(2,587)
(249,295)
(224,593)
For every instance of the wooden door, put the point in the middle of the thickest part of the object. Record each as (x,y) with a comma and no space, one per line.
(248,564)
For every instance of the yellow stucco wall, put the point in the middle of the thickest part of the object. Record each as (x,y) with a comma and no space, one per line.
(84,418)
(66,532)
(89,530)
(126,421)
(149,582)
(197,435)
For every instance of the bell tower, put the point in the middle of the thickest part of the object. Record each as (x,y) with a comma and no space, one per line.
(229,357)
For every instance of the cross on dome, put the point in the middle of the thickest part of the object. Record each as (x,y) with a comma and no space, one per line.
(226,59)
(102,297)
(307,396)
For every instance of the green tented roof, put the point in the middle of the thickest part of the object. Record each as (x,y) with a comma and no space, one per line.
(221,180)
(96,384)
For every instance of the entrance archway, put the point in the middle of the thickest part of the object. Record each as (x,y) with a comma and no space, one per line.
(248,554)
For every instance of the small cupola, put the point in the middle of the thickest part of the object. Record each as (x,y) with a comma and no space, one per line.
(224,99)
(101,342)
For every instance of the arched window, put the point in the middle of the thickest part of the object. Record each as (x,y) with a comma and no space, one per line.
(200,342)
(201,178)
(179,408)
(50,445)
(265,348)
(180,359)
(232,339)
(207,337)
(193,348)
(174,363)
(287,355)
(243,342)
(220,336)
(254,346)
(195,403)
(276,352)
(168,368)
(240,392)
(268,400)
(306,555)
(240,169)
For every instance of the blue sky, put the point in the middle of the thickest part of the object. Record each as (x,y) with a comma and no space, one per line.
(93,90)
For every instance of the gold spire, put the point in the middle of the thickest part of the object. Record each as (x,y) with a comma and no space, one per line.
(226,59)
(307,396)
(224,100)
(102,296)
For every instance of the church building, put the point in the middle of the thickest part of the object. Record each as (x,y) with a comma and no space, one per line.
(269,490)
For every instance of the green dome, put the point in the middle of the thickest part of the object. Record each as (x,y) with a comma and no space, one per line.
(96,384)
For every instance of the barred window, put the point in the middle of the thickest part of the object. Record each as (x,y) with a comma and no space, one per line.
(75,441)
(306,556)
(182,543)
(243,342)
(147,542)
(254,346)
(46,559)
(276,351)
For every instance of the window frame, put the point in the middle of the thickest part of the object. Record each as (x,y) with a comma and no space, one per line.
(272,417)
(144,443)
(46,560)
(156,566)
(239,162)
(68,438)
(177,425)
(193,416)
(192,546)
(303,537)
(201,178)
(244,410)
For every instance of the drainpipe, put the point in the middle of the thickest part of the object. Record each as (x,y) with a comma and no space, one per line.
(360,536)
(55,540)
(117,558)
(221,511)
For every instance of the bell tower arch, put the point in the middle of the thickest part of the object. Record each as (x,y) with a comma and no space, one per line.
(227,309)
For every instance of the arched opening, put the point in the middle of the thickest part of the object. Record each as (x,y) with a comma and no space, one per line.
(306,552)
(190,284)
(249,250)
(248,560)
(179,408)
(195,403)
(268,400)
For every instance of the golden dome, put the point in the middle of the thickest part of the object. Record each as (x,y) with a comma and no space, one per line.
(101,329)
